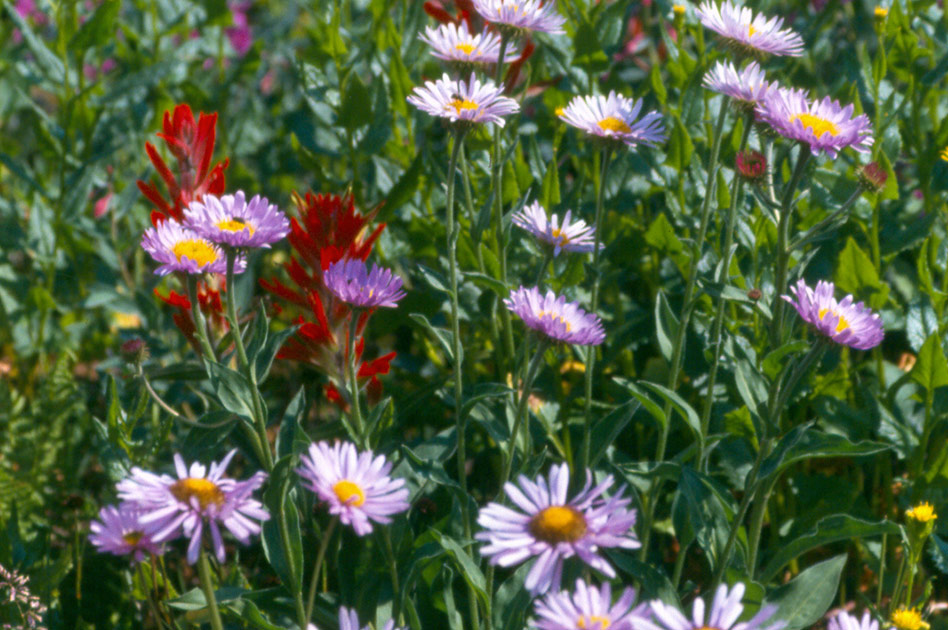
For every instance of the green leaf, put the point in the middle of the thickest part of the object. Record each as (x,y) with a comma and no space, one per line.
(275,498)
(804,443)
(698,515)
(355,109)
(938,552)
(661,235)
(666,326)
(608,428)
(232,389)
(829,529)
(469,568)
(99,28)
(442,335)
(931,368)
(804,599)
(292,438)
(588,53)
(856,274)
(654,583)
(891,190)
(680,147)
(686,411)
(658,84)
(550,188)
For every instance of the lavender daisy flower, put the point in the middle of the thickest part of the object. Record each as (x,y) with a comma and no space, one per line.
(824,125)
(350,280)
(183,506)
(746,86)
(844,621)
(726,608)
(552,528)
(349,620)
(750,34)
(232,220)
(613,118)
(180,249)
(555,318)
(571,236)
(457,44)
(119,532)
(587,608)
(519,16)
(853,325)
(355,485)
(464,103)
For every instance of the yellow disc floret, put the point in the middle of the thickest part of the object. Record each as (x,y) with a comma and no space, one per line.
(881,12)
(841,325)
(558,523)
(615,125)
(349,493)
(204,490)
(234,224)
(554,316)
(458,104)
(133,538)
(908,619)
(196,249)
(467,49)
(817,125)
(592,622)
(923,512)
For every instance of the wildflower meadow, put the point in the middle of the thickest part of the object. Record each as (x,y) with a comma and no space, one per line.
(474,315)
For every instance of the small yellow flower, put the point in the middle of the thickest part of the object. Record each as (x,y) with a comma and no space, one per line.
(909,619)
(944,154)
(923,512)
(558,111)
(882,13)
(679,9)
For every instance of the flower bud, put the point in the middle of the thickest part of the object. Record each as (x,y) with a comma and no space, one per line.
(751,165)
(134,351)
(873,177)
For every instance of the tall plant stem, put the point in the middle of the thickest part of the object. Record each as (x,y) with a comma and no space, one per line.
(200,323)
(497,185)
(783,251)
(597,277)
(717,328)
(453,231)
(674,369)
(259,416)
(352,377)
(320,555)
(522,411)
(143,578)
(204,570)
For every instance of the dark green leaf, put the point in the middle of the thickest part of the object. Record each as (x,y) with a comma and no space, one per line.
(804,599)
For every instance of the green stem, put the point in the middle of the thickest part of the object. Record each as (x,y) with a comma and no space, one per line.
(679,343)
(143,578)
(783,251)
(522,411)
(259,419)
(295,577)
(207,586)
(197,316)
(353,378)
(718,326)
(881,572)
(393,571)
(597,275)
(497,185)
(320,555)
(453,232)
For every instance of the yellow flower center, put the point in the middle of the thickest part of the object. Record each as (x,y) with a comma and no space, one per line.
(881,12)
(593,621)
(841,326)
(558,234)
(559,112)
(908,619)
(205,490)
(751,30)
(558,523)
(198,250)
(923,512)
(613,124)
(467,49)
(459,104)
(817,125)
(554,317)
(349,493)
(234,225)
(133,538)
(678,9)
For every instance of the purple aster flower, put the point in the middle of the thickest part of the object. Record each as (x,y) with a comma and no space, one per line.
(522,15)
(824,125)
(551,527)
(587,608)
(746,86)
(726,608)
(182,506)
(180,249)
(853,325)
(844,621)
(613,118)
(349,620)
(750,34)
(572,236)
(556,318)
(350,280)
(355,485)
(455,43)
(232,220)
(119,532)
(464,103)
